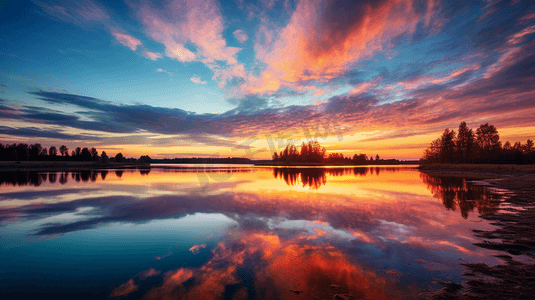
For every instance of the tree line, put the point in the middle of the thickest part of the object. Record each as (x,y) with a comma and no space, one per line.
(36,152)
(483,146)
(313,152)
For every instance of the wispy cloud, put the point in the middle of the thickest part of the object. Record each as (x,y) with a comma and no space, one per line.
(78,13)
(197,79)
(35,132)
(152,55)
(164,71)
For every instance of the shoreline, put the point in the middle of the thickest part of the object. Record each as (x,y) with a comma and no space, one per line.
(500,170)
(513,236)
(90,165)
(67,166)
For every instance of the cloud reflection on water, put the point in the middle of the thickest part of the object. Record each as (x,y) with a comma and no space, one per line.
(297,229)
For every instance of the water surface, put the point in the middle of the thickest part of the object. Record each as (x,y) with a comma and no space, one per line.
(227,232)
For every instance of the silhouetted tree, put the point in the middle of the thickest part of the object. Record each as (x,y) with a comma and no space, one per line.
(464,143)
(94,154)
(359,159)
(85,155)
(447,146)
(119,157)
(309,152)
(432,153)
(64,150)
(53,152)
(488,141)
(144,159)
(528,147)
(35,150)
(104,157)
(335,158)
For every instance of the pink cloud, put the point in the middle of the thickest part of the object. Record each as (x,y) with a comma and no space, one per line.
(152,55)
(186,24)
(528,17)
(199,22)
(313,47)
(512,52)
(197,79)
(225,74)
(240,35)
(364,87)
(127,40)
(269,3)
(519,37)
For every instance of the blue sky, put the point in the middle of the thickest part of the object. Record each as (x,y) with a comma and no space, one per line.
(204,78)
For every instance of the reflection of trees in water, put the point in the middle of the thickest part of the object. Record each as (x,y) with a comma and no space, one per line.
(52,177)
(455,193)
(311,177)
(22,178)
(63,177)
(316,177)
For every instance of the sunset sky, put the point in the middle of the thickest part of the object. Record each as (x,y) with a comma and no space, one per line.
(209,78)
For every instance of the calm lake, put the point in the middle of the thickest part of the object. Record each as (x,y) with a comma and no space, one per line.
(237,232)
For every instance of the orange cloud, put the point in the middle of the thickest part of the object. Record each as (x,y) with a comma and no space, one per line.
(318,268)
(148,273)
(197,248)
(124,289)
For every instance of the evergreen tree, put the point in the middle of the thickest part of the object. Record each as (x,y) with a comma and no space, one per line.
(488,141)
(464,143)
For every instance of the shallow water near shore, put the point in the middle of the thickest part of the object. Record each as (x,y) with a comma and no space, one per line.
(228,232)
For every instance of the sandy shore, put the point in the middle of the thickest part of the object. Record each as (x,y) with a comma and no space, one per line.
(514,236)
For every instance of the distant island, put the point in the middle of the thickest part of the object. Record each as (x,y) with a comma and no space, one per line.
(313,154)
